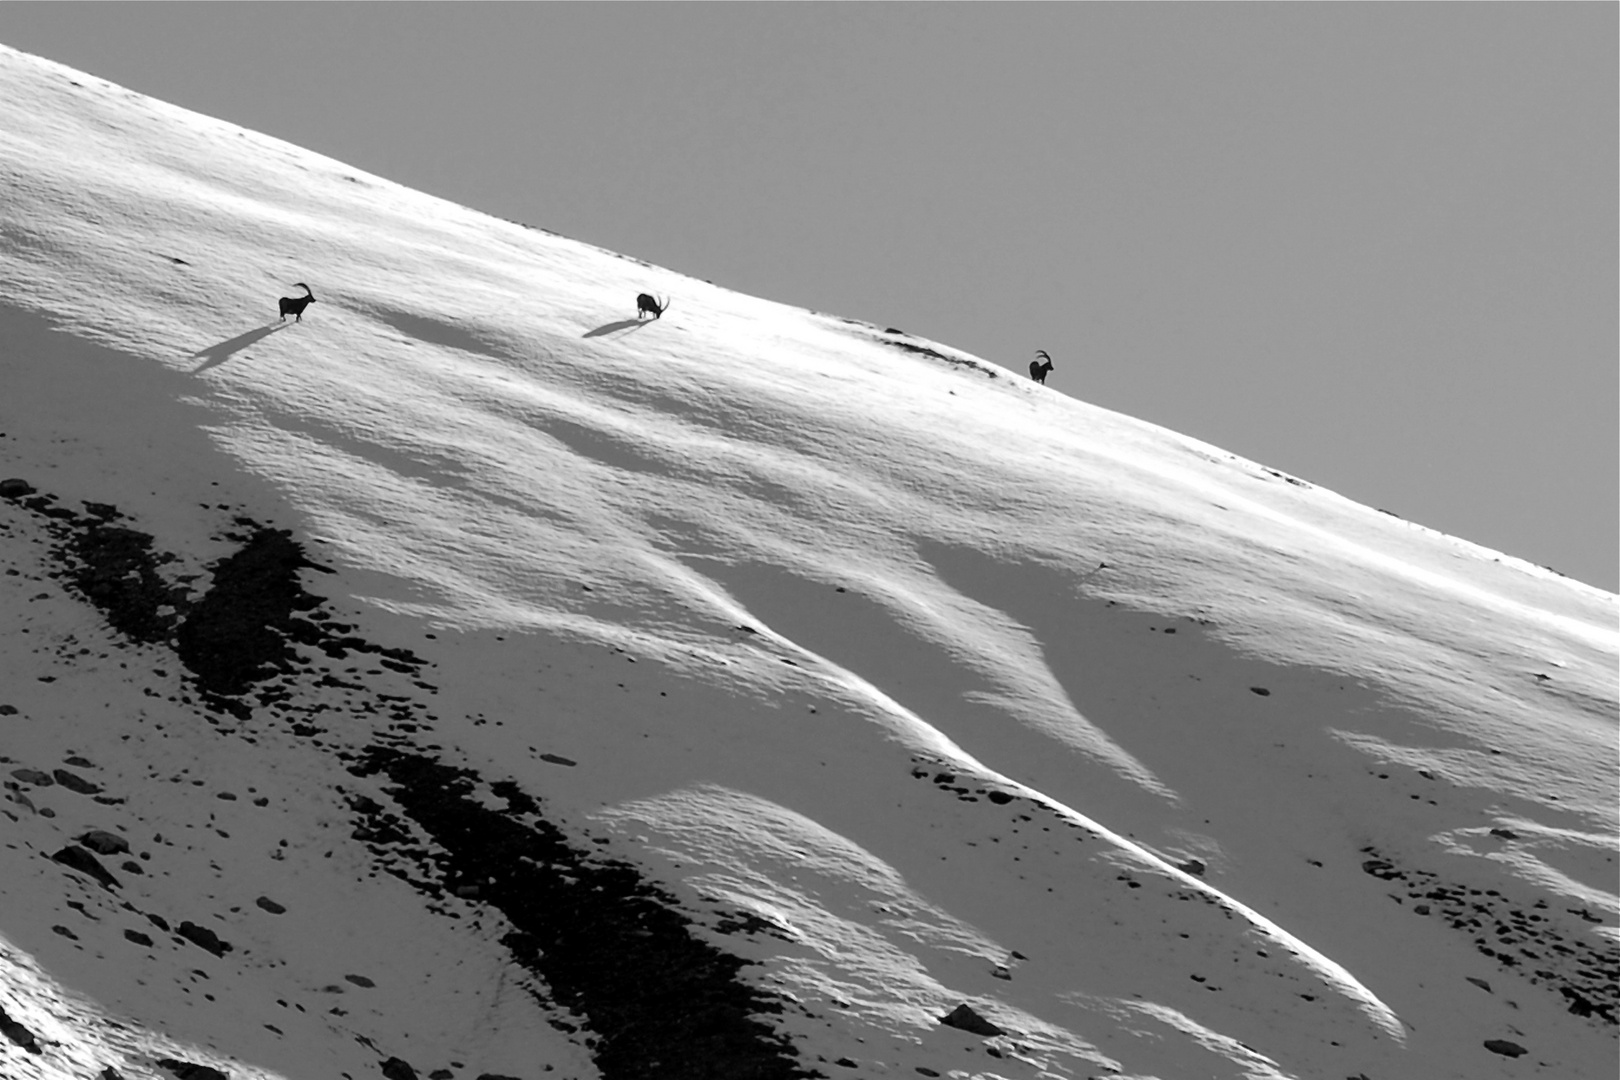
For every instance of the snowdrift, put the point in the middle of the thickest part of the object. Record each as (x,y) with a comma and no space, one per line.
(470,678)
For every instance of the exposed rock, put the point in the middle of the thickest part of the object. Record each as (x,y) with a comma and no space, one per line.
(104,843)
(1505,1048)
(398,1069)
(964,1018)
(74,782)
(188,1070)
(75,857)
(1195,867)
(203,938)
(15,489)
(270,905)
(34,776)
(18,1034)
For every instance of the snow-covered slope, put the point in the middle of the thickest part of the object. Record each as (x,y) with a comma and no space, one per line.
(486,683)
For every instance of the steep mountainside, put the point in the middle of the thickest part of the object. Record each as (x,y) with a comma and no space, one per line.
(469,678)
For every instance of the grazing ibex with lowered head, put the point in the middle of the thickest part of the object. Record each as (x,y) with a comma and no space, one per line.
(1037,369)
(295,305)
(647,302)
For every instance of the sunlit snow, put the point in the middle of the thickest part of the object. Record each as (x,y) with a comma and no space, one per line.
(913,682)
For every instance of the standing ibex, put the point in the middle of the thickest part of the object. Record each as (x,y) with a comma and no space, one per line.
(1038,370)
(647,302)
(295,305)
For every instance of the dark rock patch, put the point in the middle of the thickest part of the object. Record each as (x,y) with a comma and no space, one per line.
(203,938)
(17,1033)
(74,782)
(1505,1048)
(610,946)
(965,1019)
(1525,938)
(187,1070)
(398,1069)
(77,858)
(243,629)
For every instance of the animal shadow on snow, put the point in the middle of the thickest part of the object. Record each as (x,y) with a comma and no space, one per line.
(215,355)
(613,327)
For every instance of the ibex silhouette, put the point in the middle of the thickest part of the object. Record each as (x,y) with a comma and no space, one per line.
(647,302)
(295,305)
(1038,370)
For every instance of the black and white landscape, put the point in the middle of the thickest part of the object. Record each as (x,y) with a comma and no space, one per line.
(466,678)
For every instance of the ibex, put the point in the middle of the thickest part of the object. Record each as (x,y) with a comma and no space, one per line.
(647,302)
(295,305)
(1038,370)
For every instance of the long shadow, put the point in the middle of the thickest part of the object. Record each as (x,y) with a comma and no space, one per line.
(215,355)
(622,324)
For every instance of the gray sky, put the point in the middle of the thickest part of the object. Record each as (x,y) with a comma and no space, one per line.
(1372,245)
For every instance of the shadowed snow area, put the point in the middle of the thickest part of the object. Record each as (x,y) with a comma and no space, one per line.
(471,681)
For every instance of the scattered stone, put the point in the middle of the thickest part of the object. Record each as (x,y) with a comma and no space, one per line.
(104,843)
(110,1073)
(557,759)
(75,782)
(443,1074)
(398,1069)
(1481,983)
(189,1070)
(1380,869)
(846,1063)
(1505,1048)
(138,938)
(1262,691)
(8,710)
(75,857)
(203,938)
(34,776)
(1000,798)
(15,489)
(18,1034)
(360,980)
(1195,867)
(965,1019)
(270,905)
(1505,834)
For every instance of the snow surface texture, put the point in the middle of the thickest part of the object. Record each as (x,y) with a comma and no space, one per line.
(473,680)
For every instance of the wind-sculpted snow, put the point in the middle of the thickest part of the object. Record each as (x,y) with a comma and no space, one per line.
(471,680)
